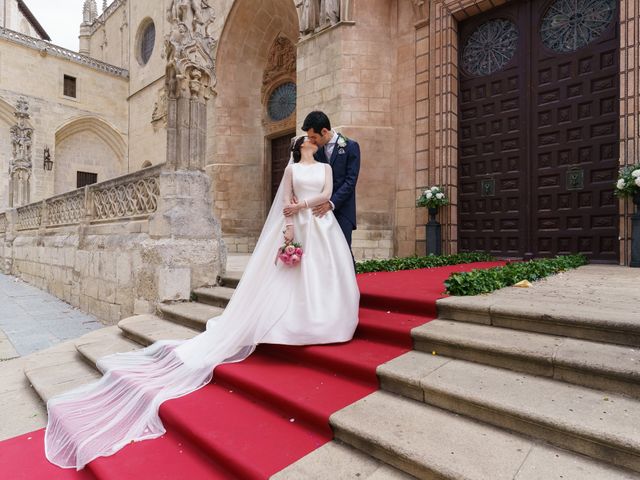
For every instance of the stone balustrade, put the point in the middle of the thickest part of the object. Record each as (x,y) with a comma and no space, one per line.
(112,248)
(130,196)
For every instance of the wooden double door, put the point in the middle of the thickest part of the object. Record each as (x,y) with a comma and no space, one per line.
(539,129)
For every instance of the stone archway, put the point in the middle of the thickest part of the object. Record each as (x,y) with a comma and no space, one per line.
(239,156)
(87,145)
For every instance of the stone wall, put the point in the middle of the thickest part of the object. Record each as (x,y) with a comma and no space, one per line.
(85,151)
(115,249)
(238,158)
(52,112)
(347,71)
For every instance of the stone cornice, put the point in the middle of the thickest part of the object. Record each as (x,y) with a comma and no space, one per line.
(46,48)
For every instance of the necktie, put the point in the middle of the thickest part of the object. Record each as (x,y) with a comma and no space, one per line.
(329,150)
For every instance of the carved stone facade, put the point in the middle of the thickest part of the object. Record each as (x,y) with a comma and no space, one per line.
(318,14)
(189,81)
(21,166)
(386,71)
(280,70)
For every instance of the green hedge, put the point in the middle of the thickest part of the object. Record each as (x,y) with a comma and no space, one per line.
(477,282)
(413,263)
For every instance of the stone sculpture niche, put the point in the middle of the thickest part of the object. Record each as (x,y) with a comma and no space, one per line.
(317,14)
(21,165)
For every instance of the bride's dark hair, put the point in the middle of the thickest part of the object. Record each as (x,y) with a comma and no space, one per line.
(295,149)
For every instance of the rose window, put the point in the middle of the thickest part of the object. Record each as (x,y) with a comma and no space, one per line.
(571,24)
(490,47)
(282,102)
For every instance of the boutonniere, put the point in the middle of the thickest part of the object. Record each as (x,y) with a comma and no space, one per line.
(342,143)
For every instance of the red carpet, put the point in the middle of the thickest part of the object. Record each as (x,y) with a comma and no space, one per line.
(263,414)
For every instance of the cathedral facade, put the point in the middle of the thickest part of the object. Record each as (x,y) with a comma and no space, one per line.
(522,110)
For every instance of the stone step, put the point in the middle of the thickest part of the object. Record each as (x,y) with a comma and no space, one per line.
(146,329)
(215,296)
(553,318)
(339,461)
(230,279)
(430,443)
(597,365)
(193,314)
(105,341)
(58,370)
(590,422)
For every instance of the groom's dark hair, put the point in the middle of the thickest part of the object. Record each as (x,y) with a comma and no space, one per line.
(316,120)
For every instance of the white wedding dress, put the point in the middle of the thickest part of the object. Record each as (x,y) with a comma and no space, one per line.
(312,303)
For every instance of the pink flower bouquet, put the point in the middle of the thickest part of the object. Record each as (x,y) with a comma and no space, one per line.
(290,254)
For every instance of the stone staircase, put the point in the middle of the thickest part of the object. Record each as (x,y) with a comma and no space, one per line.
(60,369)
(498,390)
(490,392)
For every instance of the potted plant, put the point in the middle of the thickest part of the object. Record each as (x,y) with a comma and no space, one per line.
(433,198)
(628,185)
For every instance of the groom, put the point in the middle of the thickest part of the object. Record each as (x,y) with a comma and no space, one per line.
(343,155)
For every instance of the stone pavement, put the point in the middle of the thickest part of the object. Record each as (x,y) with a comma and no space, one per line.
(32,320)
(607,293)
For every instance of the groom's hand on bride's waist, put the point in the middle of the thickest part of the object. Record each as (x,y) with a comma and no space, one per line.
(322,209)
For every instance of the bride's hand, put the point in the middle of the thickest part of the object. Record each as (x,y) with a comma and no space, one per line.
(288,235)
(292,209)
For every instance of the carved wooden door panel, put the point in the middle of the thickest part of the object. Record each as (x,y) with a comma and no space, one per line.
(492,190)
(574,153)
(541,182)
(280,154)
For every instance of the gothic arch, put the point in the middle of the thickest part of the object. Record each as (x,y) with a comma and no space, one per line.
(239,155)
(87,146)
(102,129)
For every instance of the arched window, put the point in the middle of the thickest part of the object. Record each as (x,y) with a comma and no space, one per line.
(147,40)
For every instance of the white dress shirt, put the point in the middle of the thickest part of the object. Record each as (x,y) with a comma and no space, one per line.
(328,150)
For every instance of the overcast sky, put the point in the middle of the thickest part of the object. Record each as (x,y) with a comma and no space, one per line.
(61,19)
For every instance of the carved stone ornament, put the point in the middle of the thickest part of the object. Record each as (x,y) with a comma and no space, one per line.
(329,12)
(89,12)
(21,164)
(420,8)
(281,64)
(189,50)
(160,108)
(309,15)
(317,14)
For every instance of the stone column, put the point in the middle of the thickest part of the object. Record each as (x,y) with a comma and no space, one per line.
(21,165)
(186,240)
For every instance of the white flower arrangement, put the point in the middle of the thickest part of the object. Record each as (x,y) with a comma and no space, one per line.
(432,198)
(342,141)
(628,183)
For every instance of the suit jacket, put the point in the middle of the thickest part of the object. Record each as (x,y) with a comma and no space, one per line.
(345,163)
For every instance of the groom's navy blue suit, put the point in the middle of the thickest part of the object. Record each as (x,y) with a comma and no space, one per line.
(345,163)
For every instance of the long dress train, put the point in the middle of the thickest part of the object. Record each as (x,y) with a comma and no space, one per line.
(315,302)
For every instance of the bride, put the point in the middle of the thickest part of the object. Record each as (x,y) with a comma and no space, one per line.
(314,302)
